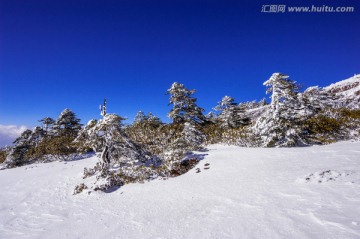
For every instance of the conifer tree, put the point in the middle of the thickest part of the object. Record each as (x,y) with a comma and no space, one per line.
(314,99)
(37,135)
(231,115)
(280,125)
(67,124)
(190,139)
(47,124)
(154,120)
(184,105)
(117,147)
(140,117)
(193,137)
(211,117)
(22,145)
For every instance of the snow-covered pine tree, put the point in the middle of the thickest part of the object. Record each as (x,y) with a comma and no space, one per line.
(122,160)
(253,109)
(231,115)
(193,137)
(140,117)
(67,124)
(315,99)
(190,139)
(88,138)
(17,155)
(263,102)
(284,92)
(184,105)
(154,120)
(225,103)
(211,117)
(324,119)
(37,135)
(280,125)
(47,124)
(148,133)
(4,151)
(117,146)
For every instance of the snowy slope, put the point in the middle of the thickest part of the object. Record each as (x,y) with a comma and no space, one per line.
(245,193)
(348,92)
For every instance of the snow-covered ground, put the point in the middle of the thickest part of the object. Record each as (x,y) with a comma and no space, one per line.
(311,192)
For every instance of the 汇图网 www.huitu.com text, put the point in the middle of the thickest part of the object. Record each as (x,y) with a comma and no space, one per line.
(309,9)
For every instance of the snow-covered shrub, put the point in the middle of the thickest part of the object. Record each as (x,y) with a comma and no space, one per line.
(241,136)
(3,155)
(79,188)
(149,133)
(331,125)
(57,147)
(122,160)
(189,139)
(213,133)
(183,167)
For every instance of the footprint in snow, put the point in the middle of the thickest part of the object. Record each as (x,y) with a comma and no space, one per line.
(324,176)
(207,166)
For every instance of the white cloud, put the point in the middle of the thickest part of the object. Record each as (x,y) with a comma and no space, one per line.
(8,133)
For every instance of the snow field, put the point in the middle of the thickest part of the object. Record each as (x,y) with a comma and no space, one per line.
(244,193)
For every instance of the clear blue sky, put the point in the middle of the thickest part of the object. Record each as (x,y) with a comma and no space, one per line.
(72,54)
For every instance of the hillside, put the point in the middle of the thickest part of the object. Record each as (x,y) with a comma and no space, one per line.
(310,192)
(348,92)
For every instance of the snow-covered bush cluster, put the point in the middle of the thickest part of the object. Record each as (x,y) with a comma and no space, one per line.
(149,148)
(54,139)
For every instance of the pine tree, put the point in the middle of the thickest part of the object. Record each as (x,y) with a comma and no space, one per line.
(37,135)
(190,139)
(140,117)
(284,92)
(314,99)
(154,120)
(211,117)
(47,124)
(184,105)
(88,138)
(122,160)
(193,137)
(117,147)
(67,124)
(231,115)
(17,155)
(281,123)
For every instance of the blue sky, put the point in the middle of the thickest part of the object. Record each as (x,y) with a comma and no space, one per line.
(72,54)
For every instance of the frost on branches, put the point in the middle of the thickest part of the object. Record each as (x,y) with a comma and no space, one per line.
(279,126)
(121,160)
(67,124)
(17,155)
(179,151)
(231,114)
(184,105)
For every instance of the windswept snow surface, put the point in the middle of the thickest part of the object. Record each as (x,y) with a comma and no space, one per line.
(311,192)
